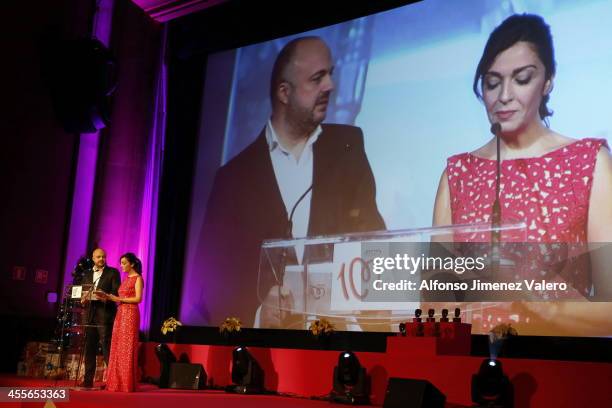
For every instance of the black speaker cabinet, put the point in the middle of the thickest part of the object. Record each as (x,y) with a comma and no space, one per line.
(187,376)
(406,392)
(81,75)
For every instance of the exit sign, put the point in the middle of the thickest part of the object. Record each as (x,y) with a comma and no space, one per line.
(41,276)
(19,272)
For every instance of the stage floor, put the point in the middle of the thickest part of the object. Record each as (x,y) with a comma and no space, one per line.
(302,377)
(152,397)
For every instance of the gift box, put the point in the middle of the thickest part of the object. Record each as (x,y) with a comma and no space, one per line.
(35,368)
(21,368)
(100,369)
(35,358)
(52,366)
(31,350)
(71,366)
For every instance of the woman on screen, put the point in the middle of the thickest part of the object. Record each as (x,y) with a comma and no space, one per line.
(123,360)
(559,186)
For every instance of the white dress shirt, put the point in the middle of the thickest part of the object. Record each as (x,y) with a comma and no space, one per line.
(294,177)
(97,273)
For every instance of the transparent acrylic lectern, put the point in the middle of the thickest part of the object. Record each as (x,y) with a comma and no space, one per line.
(333,277)
(73,321)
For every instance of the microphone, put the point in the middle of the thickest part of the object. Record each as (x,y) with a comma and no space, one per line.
(496,216)
(94,287)
(289,235)
(495,128)
(283,260)
(289,230)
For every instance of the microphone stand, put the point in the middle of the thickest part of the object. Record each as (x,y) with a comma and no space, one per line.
(86,327)
(496,215)
(283,263)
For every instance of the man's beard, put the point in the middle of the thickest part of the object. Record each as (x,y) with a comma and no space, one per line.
(303,119)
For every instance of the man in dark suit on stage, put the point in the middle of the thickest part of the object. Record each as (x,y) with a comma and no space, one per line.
(298,178)
(99,315)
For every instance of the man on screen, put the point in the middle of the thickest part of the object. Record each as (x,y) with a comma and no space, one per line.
(318,172)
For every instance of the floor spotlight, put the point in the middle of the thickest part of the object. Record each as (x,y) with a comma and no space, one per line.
(491,388)
(247,375)
(351,384)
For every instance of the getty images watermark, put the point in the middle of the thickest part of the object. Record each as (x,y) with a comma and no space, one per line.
(480,272)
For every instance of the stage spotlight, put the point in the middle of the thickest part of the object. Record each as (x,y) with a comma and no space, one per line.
(166,357)
(351,384)
(490,387)
(247,375)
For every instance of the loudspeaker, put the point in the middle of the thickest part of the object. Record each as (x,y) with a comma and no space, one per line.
(406,392)
(187,376)
(81,75)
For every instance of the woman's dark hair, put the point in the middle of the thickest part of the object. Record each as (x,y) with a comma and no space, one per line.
(133,260)
(519,27)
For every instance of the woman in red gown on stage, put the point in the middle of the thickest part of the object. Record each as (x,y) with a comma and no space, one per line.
(123,360)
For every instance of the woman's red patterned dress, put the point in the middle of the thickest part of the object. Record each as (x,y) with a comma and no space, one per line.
(123,360)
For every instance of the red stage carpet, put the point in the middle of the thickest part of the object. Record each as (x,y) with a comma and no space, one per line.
(537,383)
(307,373)
(151,397)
